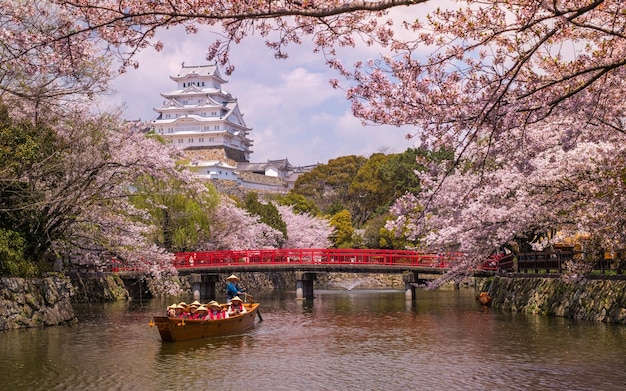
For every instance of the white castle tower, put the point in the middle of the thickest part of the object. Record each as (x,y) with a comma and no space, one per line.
(199,117)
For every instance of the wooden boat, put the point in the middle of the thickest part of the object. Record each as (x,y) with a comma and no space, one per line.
(174,329)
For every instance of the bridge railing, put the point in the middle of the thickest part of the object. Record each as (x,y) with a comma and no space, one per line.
(528,263)
(315,256)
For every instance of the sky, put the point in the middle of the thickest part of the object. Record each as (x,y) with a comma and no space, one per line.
(290,105)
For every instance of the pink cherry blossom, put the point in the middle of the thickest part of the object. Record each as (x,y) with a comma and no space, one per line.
(527,93)
(304,230)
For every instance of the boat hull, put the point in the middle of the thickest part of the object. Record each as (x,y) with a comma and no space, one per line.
(175,330)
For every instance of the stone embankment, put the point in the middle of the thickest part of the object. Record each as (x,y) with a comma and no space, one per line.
(104,288)
(35,302)
(596,300)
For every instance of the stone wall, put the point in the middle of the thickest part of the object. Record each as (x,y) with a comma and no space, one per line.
(597,300)
(35,302)
(98,288)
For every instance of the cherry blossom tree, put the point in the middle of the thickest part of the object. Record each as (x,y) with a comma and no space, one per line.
(492,65)
(44,62)
(58,27)
(69,186)
(106,158)
(483,79)
(305,230)
(236,229)
(535,182)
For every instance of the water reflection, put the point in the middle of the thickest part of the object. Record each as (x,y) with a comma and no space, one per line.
(364,339)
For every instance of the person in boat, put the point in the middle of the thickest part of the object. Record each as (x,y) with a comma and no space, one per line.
(179,312)
(216,311)
(232,288)
(236,307)
(171,311)
(202,312)
(193,310)
(185,308)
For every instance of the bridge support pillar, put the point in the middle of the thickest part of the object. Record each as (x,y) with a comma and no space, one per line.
(304,285)
(410,278)
(203,285)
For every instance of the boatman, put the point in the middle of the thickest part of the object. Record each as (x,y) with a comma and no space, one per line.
(232,288)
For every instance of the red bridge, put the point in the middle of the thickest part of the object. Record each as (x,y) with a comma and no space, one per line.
(307,262)
(324,259)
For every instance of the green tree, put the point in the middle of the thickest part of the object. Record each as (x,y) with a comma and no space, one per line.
(180,219)
(30,158)
(371,233)
(267,212)
(299,202)
(328,184)
(370,191)
(388,239)
(398,172)
(343,235)
(12,261)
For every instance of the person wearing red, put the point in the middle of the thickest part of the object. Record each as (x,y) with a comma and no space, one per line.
(185,308)
(236,307)
(202,312)
(216,311)
(179,312)
(193,308)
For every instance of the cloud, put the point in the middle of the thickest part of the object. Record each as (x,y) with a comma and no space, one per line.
(293,110)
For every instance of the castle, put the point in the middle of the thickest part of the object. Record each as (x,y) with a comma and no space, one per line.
(205,122)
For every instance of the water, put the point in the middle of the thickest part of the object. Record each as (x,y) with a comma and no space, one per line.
(342,340)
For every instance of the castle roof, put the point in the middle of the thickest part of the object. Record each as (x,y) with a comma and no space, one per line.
(202,71)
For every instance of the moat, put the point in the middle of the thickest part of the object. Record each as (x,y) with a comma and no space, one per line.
(343,339)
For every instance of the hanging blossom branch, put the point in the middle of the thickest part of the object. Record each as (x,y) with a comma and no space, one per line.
(132,24)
